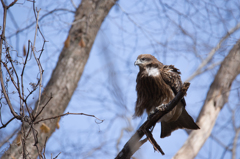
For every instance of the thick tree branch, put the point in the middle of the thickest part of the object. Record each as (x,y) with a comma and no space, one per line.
(67,72)
(216,98)
(134,142)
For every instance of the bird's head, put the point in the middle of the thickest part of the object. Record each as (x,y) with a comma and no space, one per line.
(144,60)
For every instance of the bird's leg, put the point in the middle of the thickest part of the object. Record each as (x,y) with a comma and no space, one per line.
(162,107)
(150,114)
(151,129)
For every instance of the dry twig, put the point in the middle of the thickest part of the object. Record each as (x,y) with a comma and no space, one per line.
(54,117)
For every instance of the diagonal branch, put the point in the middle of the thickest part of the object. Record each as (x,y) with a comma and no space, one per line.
(134,142)
(216,98)
(212,52)
(4,125)
(153,141)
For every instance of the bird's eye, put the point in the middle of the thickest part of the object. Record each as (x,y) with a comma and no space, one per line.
(143,59)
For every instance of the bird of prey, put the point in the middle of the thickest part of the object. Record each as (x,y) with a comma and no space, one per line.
(157,85)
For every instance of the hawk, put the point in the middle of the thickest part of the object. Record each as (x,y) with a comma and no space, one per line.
(157,85)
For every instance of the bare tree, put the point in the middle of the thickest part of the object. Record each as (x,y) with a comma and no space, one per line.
(196,37)
(57,94)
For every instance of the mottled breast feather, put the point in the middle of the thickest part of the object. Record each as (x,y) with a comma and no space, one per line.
(151,92)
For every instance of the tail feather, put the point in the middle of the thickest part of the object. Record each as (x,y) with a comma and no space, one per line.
(184,121)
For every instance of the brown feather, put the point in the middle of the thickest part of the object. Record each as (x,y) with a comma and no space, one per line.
(158,84)
(184,121)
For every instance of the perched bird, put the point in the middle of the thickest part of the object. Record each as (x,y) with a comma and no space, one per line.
(157,85)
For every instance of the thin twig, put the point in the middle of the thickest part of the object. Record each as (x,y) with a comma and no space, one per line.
(42,108)
(35,134)
(67,114)
(37,19)
(9,137)
(4,125)
(220,143)
(38,62)
(212,52)
(30,92)
(11,61)
(41,18)
(57,156)
(24,65)
(74,5)
(152,141)
(1,72)
(10,5)
(14,83)
(28,132)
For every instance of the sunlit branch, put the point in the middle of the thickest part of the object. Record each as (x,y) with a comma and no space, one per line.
(212,52)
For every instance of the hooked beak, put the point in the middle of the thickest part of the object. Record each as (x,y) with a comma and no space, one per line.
(137,62)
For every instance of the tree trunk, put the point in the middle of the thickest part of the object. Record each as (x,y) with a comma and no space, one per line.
(65,77)
(216,98)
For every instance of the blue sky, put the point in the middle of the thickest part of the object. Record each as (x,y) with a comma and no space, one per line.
(107,86)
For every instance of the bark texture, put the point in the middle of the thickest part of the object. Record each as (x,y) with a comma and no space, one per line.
(64,80)
(216,98)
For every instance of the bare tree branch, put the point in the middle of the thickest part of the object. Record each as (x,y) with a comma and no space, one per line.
(220,143)
(1,73)
(212,52)
(4,125)
(235,143)
(38,63)
(65,76)
(9,137)
(54,117)
(216,98)
(134,142)
(41,18)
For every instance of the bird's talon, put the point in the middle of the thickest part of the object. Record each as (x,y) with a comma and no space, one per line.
(162,107)
(150,115)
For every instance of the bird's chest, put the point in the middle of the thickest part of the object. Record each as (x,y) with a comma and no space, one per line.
(153,91)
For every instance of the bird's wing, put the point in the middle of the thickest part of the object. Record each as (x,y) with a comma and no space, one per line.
(171,77)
